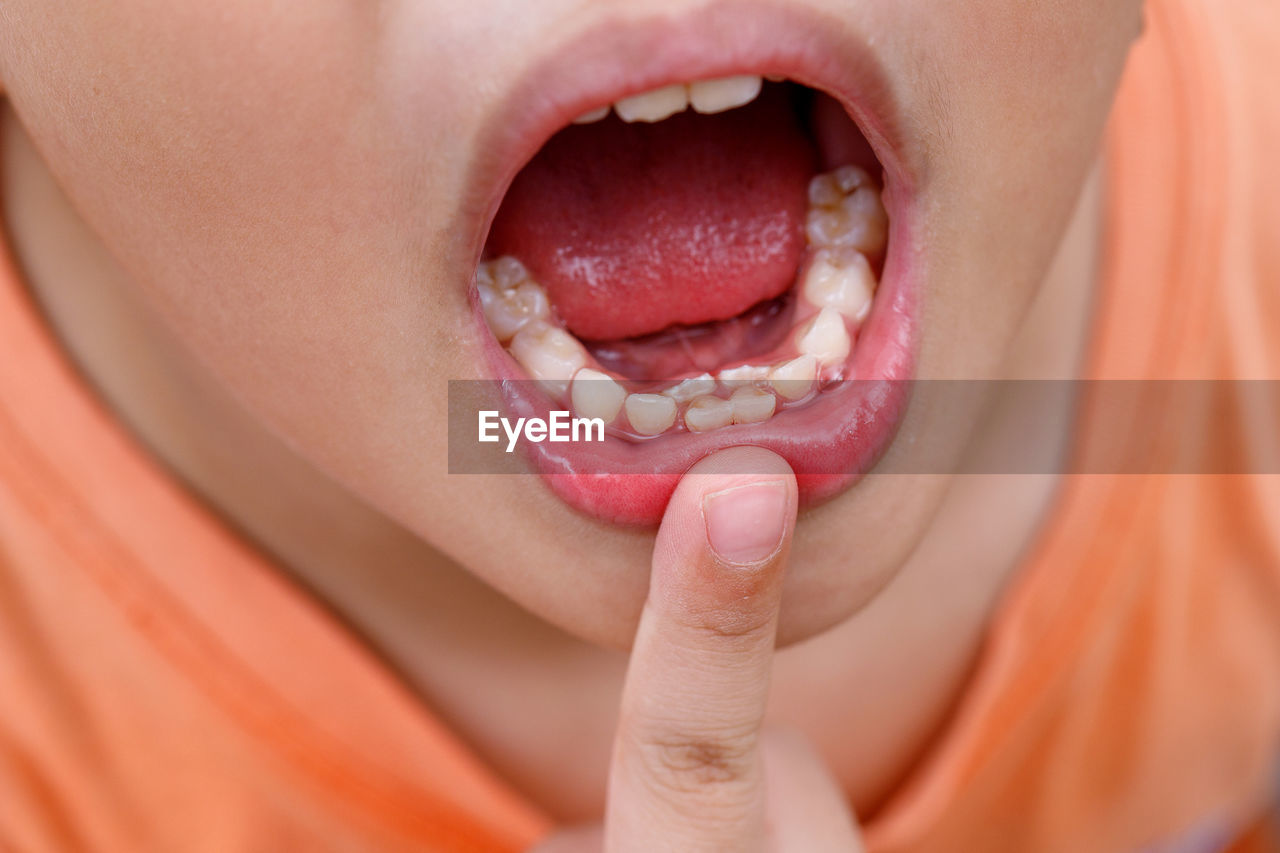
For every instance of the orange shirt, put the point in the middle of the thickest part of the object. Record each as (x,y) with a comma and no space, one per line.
(155,686)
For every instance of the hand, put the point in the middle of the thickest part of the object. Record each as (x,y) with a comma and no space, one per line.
(693,767)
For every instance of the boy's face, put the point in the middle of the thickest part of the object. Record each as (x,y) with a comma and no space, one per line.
(298,186)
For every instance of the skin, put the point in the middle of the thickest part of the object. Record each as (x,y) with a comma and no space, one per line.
(692,768)
(240,221)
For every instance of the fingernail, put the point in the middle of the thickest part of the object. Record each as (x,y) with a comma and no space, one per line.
(745,524)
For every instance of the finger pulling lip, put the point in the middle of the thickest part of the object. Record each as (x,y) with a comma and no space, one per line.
(830,443)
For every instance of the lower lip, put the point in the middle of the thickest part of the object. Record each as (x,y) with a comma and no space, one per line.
(830,443)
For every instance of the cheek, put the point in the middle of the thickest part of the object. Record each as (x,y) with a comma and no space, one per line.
(191,139)
(255,170)
(1017,96)
(245,164)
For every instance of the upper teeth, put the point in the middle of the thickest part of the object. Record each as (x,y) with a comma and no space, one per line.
(714,96)
(654,105)
(592,115)
(705,96)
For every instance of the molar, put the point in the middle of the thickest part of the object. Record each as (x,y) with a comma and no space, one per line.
(841,279)
(826,227)
(846,210)
(549,354)
(830,188)
(509,311)
(869,224)
(505,272)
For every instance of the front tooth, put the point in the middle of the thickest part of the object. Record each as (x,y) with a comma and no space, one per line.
(592,115)
(793,379)
(654,105)
(716,96)
(707,413)
(840,279)
(743,373)
(683,392)
(549,354)
(752,406)
(650,414)
(868,223)
(509,311)
(825,338)
(597,395)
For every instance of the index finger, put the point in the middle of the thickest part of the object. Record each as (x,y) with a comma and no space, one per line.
(687,772)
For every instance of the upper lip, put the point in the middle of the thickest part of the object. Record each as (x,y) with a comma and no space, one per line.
(623,55)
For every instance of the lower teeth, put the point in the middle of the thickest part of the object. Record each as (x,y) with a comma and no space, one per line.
(846,225)
(752,405)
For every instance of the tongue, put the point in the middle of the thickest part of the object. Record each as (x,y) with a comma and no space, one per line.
(632,228)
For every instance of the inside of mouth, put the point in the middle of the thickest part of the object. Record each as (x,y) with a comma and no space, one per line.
(689,258)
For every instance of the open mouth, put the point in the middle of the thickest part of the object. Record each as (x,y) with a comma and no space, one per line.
(697,265)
